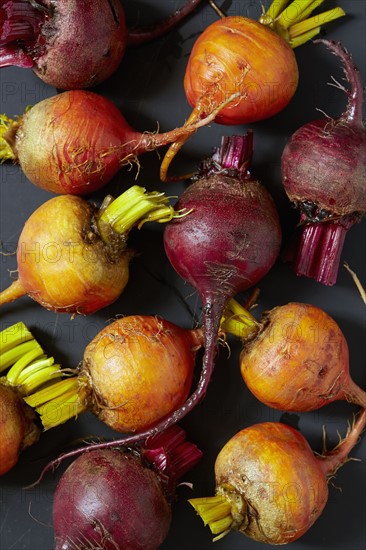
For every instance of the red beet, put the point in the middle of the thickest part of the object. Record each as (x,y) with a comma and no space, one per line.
(76,141)
(323,170)
(229,241)
(121,499)
(71,44)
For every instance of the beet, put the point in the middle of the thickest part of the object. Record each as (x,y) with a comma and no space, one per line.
(76,141)
(323,171)
(296,359)
(18,429)
(270,486)
(70,44)
(115,498)
(73,257)
(134,372)
(254,58)
(229,241)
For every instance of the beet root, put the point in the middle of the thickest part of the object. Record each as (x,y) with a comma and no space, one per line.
(18,429)
(109,500)
(70,44)
(323,170)
(270,486)
(121,498)
(299,360)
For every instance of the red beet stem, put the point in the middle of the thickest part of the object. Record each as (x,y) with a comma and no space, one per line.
(332,460)
(170,453)
(235,153)
(21,22)
(320,248)
(145,34)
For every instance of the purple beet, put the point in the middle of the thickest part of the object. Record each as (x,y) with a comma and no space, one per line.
(228,242)
(121,499)
(323,170)
(71,44)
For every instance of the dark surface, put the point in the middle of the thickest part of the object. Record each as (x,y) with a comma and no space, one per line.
(148,88)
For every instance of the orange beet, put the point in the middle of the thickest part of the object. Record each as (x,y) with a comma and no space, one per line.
(270,485)
(63,264)
(240,54)
(17,429)
(140,369)
(299,361)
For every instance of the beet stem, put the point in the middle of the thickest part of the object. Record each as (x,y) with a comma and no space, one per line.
(6,151)
(170,453)
(35,352)
(12,336)
(238,321)
(235,153)
(11,356)
(216,512)
(320,248)
(300,28)
(134,207)
(21,23)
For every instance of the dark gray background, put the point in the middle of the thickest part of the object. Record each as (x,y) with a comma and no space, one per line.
(148,88)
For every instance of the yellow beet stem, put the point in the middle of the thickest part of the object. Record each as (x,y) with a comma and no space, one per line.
(34,367)
(293,22)
(305,37)
(11,356)
(135,207)
(315,22)
(297,11)
(214,512)
(37,380)
(60,410)
(35,353)
(37,374)
(238,321)
(59,402)
(14,335)
(52,392)
(6,152)
(275,9)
